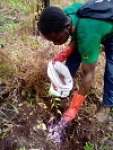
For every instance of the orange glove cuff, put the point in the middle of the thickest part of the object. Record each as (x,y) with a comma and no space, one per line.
(72,111)
(77,100)
(63,55)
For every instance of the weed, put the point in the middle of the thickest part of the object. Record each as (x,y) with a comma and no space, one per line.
(22,148)
(4,135)
(89,146)
(31,101)
(15,109)
(56,103)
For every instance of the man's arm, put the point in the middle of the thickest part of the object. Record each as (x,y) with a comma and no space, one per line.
(80,95)
(88,75)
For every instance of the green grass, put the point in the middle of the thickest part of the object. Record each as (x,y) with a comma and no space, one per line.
(6,71)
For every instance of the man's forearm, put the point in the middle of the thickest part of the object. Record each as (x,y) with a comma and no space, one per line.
(86,84)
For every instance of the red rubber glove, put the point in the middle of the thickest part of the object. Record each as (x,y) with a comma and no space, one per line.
(72,111)
(63,55)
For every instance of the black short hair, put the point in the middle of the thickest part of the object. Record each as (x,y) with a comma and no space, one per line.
(52,19)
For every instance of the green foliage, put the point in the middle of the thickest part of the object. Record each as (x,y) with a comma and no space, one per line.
(22,148)
(3,42)
(56,103)
(36,45)
(15,109)
(89,146)
(7,24)
(16,14)
(6,71)
(23,5)
(18,4)
(31,104)
(10,27)
(48,93)
(4,134)
(91,92)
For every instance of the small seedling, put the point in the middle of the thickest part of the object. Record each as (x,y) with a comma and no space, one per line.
(89,146)
(56,103)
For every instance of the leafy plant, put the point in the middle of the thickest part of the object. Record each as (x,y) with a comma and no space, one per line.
(56,103)
(89,146)
(31,104)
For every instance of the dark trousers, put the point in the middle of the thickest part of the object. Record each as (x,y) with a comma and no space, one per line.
(73,63)
(108,75)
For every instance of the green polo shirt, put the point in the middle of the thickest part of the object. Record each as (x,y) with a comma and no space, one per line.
(90,33)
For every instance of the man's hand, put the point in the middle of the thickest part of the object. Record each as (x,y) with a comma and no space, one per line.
(70,114)
(63,55)
(72,111)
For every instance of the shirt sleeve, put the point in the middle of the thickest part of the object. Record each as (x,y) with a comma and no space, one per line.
(89,48)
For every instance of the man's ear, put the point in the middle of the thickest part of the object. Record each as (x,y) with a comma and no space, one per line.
(67,25)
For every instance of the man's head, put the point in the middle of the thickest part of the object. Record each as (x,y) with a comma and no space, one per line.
(54,25)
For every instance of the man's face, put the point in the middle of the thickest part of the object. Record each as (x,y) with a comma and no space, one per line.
(58,38)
